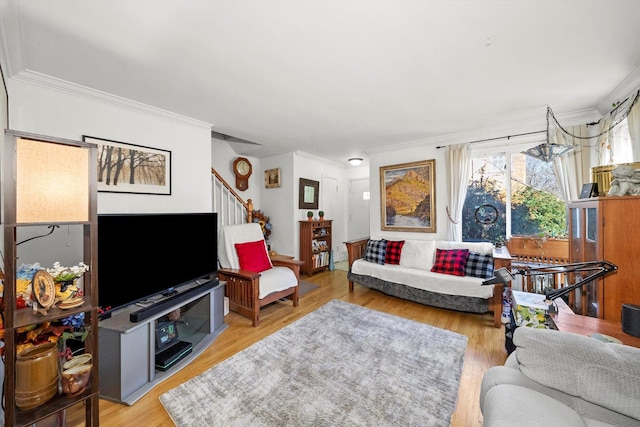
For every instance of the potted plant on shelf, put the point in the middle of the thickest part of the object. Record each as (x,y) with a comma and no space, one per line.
(321,215)
(310,216)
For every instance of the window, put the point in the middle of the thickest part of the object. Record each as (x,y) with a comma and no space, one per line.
(621,147)
(483,214)
(537,208)
(512,194)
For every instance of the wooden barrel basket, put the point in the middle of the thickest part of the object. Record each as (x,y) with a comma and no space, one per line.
(36,375)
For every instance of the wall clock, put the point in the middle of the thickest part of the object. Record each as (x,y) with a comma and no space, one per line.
(242,168)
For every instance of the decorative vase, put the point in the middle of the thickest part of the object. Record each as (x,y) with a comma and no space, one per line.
(75,379)
(36,375)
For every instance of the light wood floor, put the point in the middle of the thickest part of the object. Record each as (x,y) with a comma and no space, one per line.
(485,349)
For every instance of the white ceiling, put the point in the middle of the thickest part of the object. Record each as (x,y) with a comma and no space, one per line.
(333,78)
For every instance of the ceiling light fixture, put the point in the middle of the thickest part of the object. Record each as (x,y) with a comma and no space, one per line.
(355,161)
(548,151)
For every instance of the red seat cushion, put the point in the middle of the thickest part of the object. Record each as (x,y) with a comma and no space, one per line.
(253,256)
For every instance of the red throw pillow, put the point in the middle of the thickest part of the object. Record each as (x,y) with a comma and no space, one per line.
(394,249)
(253,256)
(450,261)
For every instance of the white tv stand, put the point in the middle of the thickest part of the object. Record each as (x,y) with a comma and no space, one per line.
(127,349)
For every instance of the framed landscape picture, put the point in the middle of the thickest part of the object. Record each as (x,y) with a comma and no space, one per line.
(128,168)
(408,197)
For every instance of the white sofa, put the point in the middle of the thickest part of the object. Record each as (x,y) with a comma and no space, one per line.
(412,278)
(556,378)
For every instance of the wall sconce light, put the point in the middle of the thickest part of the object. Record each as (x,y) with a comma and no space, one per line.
(355,161)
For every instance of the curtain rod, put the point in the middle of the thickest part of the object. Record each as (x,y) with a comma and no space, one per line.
(499,137)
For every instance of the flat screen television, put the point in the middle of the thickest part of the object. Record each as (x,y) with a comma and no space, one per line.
(141,256)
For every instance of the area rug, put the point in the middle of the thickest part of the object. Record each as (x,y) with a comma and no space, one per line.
(306,287)
(340,365)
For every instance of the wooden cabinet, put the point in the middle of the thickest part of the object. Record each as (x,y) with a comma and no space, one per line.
(606,228)
(315,245)
(21,152)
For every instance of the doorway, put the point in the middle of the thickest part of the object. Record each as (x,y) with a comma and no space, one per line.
(358,209)
(329,204)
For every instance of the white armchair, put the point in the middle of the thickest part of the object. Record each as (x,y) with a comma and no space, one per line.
(253,280)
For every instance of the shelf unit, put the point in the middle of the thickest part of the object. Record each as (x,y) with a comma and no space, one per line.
(15,318)
(603,228)
(128,349)
(315,245)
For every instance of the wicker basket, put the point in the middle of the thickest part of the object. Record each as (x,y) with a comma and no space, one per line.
(602,176)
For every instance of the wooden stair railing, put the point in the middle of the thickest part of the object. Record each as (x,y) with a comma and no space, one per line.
(228,204)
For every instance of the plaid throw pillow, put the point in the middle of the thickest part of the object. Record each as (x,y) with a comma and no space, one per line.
(479,265)
(394,248)
(450,261)
(375,250)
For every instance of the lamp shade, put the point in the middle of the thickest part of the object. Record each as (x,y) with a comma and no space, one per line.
(52,182)
(547,151)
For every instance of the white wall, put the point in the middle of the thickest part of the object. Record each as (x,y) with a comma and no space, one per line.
(222,157)
(277,203)
(397,156)
(315,168)
(58,113)
(44,111)
(55,113)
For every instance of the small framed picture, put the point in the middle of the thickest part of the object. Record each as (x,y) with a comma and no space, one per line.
(272,178)
(308,194)
(589,190)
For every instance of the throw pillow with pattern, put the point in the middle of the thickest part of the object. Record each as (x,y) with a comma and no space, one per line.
(375,251)
(450,261)
(394,249)
(479,265)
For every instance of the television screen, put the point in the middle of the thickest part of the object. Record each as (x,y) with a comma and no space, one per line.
(142,255)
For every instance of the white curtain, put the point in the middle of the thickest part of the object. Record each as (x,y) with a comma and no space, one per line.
(634,131)
(572,169)
(458,158)
(603,147)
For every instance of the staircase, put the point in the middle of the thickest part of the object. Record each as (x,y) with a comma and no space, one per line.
(229,206)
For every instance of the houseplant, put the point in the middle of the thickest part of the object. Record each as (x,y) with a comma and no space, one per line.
(310,216)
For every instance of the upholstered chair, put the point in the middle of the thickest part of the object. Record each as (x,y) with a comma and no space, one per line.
(252,279)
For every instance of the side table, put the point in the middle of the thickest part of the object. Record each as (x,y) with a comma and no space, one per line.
(585,325)
(565,320)
(279,257)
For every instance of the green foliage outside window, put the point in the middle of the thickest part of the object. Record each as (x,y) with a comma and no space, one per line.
(533,213)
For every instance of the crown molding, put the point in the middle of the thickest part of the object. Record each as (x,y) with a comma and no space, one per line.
(320,159)
(506,131)
(11,55)
(625,89)
(10,30)
(43,80)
